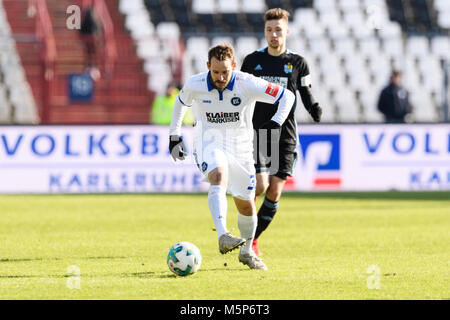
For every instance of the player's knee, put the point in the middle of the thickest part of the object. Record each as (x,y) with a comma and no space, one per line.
(247,208)
(262,183)
(217,177)
(261,188)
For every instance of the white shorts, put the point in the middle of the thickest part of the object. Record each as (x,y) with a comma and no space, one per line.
(241,174)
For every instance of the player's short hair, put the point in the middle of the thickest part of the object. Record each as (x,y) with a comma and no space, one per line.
(276,14)
(396,73)
(221,52)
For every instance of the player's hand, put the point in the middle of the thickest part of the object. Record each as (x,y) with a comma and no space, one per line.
(177,148)
(269,125)
(316,112)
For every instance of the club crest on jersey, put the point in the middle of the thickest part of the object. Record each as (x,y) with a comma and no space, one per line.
(288,67)
(222,117)
(235,101)
(204,166)
(258,67)
(272,89)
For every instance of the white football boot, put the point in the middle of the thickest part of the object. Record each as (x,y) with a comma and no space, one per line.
(252,261)
(228,242)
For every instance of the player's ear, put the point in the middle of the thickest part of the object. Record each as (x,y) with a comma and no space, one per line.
(234,65)
(208,65)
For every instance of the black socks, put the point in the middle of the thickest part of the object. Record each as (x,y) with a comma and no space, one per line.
(265,215)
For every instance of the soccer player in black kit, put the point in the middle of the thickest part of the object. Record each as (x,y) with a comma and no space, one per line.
(283,67)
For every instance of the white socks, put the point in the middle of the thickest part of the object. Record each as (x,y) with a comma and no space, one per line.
(217,201)
(247,227)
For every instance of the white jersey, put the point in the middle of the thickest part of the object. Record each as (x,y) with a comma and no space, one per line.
(225,116)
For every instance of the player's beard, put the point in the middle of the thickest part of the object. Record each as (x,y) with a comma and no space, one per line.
(275,45)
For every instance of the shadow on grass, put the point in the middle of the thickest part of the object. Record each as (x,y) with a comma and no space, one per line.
(148,275)
(5,260)
(168,275)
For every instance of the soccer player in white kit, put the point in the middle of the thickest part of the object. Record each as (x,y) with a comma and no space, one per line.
(222,102)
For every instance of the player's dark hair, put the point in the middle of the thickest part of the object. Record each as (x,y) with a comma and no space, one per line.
(276,14)
(221,52)
(396,73)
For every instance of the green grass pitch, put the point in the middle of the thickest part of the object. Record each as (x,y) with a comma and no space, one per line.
(319,246)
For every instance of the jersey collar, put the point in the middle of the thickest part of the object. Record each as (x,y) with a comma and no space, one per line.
(230,85)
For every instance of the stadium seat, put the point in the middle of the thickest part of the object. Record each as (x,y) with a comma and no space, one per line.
(204,6)
(254,6)
(297,45)
(444,19)
(139,25)
(347,106)
(432,74)
(166,30)
(423,107)
(227,6)
(360,81)
(393,47)
(320,46)
(390,30)
(219,40)
(349,5)
(130,6)
(164,75)
(339,31)
(325,6)
(307,22)
(354,19)
(369,47)
(417,46)
(440,47)
(344,47)
(148,48)
(323,98)
(330,19)
(197,44)
(369,103)
(245,45)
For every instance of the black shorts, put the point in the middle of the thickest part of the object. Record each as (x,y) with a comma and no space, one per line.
(279,164)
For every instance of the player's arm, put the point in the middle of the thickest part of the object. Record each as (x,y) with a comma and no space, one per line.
(176,145)
(271,93)
(245,67)
(304,87)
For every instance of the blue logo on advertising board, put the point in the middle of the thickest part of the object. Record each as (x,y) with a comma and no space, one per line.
(329,165)
(334,161)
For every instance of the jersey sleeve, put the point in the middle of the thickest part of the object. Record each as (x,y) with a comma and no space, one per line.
(185,96)
(264,91)
(246,65)
(304,77)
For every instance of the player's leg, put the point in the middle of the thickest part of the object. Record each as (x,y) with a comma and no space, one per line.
(268,209)
(262,183)
(242,185)
(246,221)
(270,205)
(217,198)
(247,226)
(217,201)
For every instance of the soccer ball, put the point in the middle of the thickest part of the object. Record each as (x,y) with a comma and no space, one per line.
(184,258)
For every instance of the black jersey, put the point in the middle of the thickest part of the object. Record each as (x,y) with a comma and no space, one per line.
(289,70)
